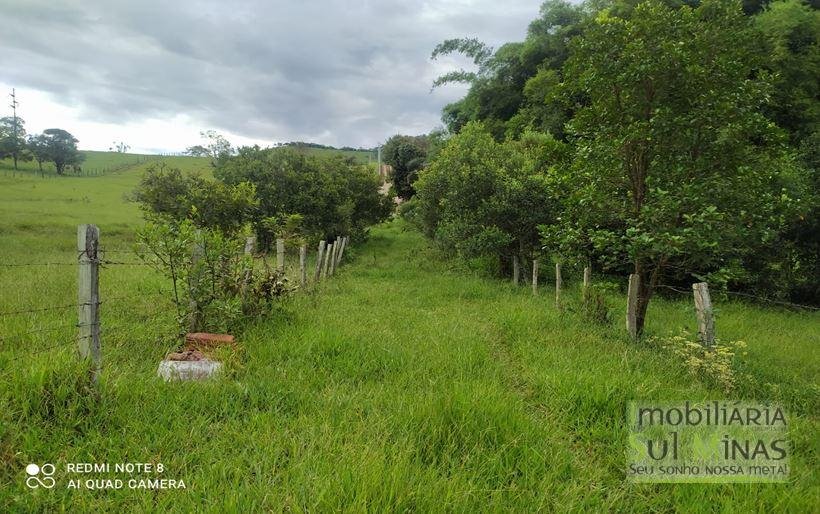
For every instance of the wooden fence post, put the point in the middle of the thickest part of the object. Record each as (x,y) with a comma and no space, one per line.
(328,251)
(705,313)
(535,276)
(336,243)
(88,243)
(319,256)
(558,284)
(280,255)
(516,270)
(632,305)
(587,277)
(341,250)
(250,245)
(302,262)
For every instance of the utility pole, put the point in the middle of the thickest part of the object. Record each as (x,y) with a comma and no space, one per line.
(380,160)
(13,106)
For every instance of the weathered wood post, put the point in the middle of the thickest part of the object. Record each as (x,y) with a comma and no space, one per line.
(334,255)
(250,245)
(280,255)
(328,252)
(319,256)
(302,262)
(88,244)
(587,283)
(632,305)
(516,270)
(705,313)
(341,250)
(558,284)
(535,276)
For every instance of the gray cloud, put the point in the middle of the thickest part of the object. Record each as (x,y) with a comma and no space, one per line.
(330,71)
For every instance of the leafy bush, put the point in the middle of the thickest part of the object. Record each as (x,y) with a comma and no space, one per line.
(169,193)
(594,306)
(333,195)
(215,286)
(479,197)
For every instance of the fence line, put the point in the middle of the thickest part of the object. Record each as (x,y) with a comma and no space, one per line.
(745,295)
(91,329)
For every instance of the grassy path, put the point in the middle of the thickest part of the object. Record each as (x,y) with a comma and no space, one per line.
(402,385)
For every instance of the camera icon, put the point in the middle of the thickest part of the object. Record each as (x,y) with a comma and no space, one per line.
(34,479)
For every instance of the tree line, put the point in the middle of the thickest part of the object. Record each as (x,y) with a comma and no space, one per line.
(273,192)
(53,145)
(673,140)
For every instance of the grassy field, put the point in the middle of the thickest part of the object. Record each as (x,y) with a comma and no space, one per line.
(405,383)
(361,156)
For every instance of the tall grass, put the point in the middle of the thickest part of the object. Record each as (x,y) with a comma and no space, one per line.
(405,383)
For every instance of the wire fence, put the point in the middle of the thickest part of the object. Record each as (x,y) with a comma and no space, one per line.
(28,332)
(758,299)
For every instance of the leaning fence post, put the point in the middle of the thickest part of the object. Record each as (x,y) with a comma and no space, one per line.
(328,251)
(280,255)
(516,270)
(705,313)
(334,255)
(632,305)
(88,243)
(302,270)
(535,276)
(558,284)
(341,251)
(319,260)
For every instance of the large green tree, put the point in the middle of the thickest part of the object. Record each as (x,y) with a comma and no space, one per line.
(497,86)
(13,139)
(330,195)
(406,155)
(675,164)
(61,149)
(480,197)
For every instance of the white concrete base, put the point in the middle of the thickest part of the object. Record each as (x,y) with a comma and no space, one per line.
(188,370)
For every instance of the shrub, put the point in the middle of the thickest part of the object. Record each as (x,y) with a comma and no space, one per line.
(168,193)
(716,364)
(215,286)
(333,195)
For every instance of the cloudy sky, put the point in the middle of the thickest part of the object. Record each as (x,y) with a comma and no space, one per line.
(154,73)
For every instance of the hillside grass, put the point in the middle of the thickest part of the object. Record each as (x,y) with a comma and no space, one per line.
(360,156)
(407,382)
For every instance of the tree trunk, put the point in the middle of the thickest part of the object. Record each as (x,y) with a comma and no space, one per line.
(649,277)
(14,156)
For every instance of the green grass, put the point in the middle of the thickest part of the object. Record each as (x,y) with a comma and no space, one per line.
(95,163)
(405,383)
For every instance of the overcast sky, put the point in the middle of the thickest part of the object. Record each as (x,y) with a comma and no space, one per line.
(154,73)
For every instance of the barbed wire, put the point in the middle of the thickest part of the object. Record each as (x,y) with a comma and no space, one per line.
(42,309)
(104,262)
(745,295)
(27,264)
(47,348)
